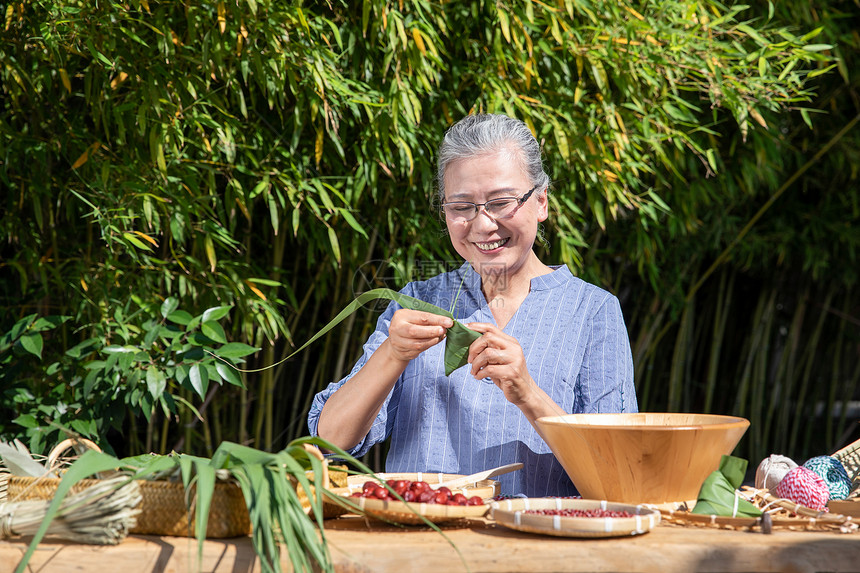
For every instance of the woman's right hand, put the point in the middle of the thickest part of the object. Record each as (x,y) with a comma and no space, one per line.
(411,332)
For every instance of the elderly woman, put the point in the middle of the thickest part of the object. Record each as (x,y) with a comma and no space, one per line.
(550,343)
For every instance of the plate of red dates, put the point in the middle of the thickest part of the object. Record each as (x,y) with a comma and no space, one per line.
(574,517)
(415,498)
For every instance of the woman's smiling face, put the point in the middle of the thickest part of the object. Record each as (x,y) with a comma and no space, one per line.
(494,245)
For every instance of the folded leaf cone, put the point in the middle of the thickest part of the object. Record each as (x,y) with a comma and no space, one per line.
(718,493)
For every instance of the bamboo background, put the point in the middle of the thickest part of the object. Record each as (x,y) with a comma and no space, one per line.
(259,156)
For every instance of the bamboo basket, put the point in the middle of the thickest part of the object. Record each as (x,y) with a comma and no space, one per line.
(164,508)
(330,479)
(849,456)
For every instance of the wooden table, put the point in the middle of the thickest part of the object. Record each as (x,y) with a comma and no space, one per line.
(358,546)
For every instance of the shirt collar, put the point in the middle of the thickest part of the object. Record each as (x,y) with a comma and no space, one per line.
(559,276)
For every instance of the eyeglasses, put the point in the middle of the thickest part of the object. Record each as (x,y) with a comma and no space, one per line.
(464,211)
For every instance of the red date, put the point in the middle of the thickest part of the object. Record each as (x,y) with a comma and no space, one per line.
(419,491)
(580,512)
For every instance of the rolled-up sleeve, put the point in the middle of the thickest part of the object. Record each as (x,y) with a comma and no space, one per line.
(382,424)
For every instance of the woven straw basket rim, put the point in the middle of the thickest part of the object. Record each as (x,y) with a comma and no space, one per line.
(167,507)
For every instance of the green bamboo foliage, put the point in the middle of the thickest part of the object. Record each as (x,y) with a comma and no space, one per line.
(258,154)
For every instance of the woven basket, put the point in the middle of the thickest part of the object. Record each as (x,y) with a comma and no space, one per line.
(330,479)
(850,458)
(163,508)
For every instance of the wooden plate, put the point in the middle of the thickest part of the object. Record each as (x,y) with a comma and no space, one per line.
(511,513)
(408,513)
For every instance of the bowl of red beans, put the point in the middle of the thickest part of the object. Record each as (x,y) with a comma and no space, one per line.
(562,517)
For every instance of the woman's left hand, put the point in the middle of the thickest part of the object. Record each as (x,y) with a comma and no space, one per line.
(497,356)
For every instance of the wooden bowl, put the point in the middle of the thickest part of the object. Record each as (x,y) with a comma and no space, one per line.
(641,458)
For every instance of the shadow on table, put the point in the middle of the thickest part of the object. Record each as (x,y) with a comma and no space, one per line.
(239,550)
(837,555)
(358,523)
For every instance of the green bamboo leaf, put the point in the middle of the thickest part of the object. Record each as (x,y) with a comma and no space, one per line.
(216,313)
(267,282)
(214,331)
(817,47)
(235,350)
(169,305)
(116,349)
(205,490)
(209,246)
(180,317)
(504,22)
(228,374)
(155,382)
(335,244)
(136,242)
(352,222)
(752,34)
(32,343)
(457,340)
(27,421)
(199,379)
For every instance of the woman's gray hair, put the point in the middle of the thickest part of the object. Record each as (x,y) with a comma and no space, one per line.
(481,134)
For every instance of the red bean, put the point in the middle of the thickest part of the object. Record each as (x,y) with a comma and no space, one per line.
(380,493)
(419,491)
(419,486)
(596,512)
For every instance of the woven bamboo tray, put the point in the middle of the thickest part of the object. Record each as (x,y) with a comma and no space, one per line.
(512,513)
(781,514)
(408,513)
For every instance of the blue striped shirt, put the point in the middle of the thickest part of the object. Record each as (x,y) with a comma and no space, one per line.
(577,350)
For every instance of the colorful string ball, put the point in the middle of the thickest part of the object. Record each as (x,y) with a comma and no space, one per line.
(804,486)
(833,473)
(771,470)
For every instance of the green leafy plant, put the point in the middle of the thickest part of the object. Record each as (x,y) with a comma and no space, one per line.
(138,361)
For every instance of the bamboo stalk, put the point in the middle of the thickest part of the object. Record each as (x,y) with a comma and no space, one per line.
(809,360)
(787,374)
(680,356)
(303,385)
(764,308)
(718,337)
(831,395)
